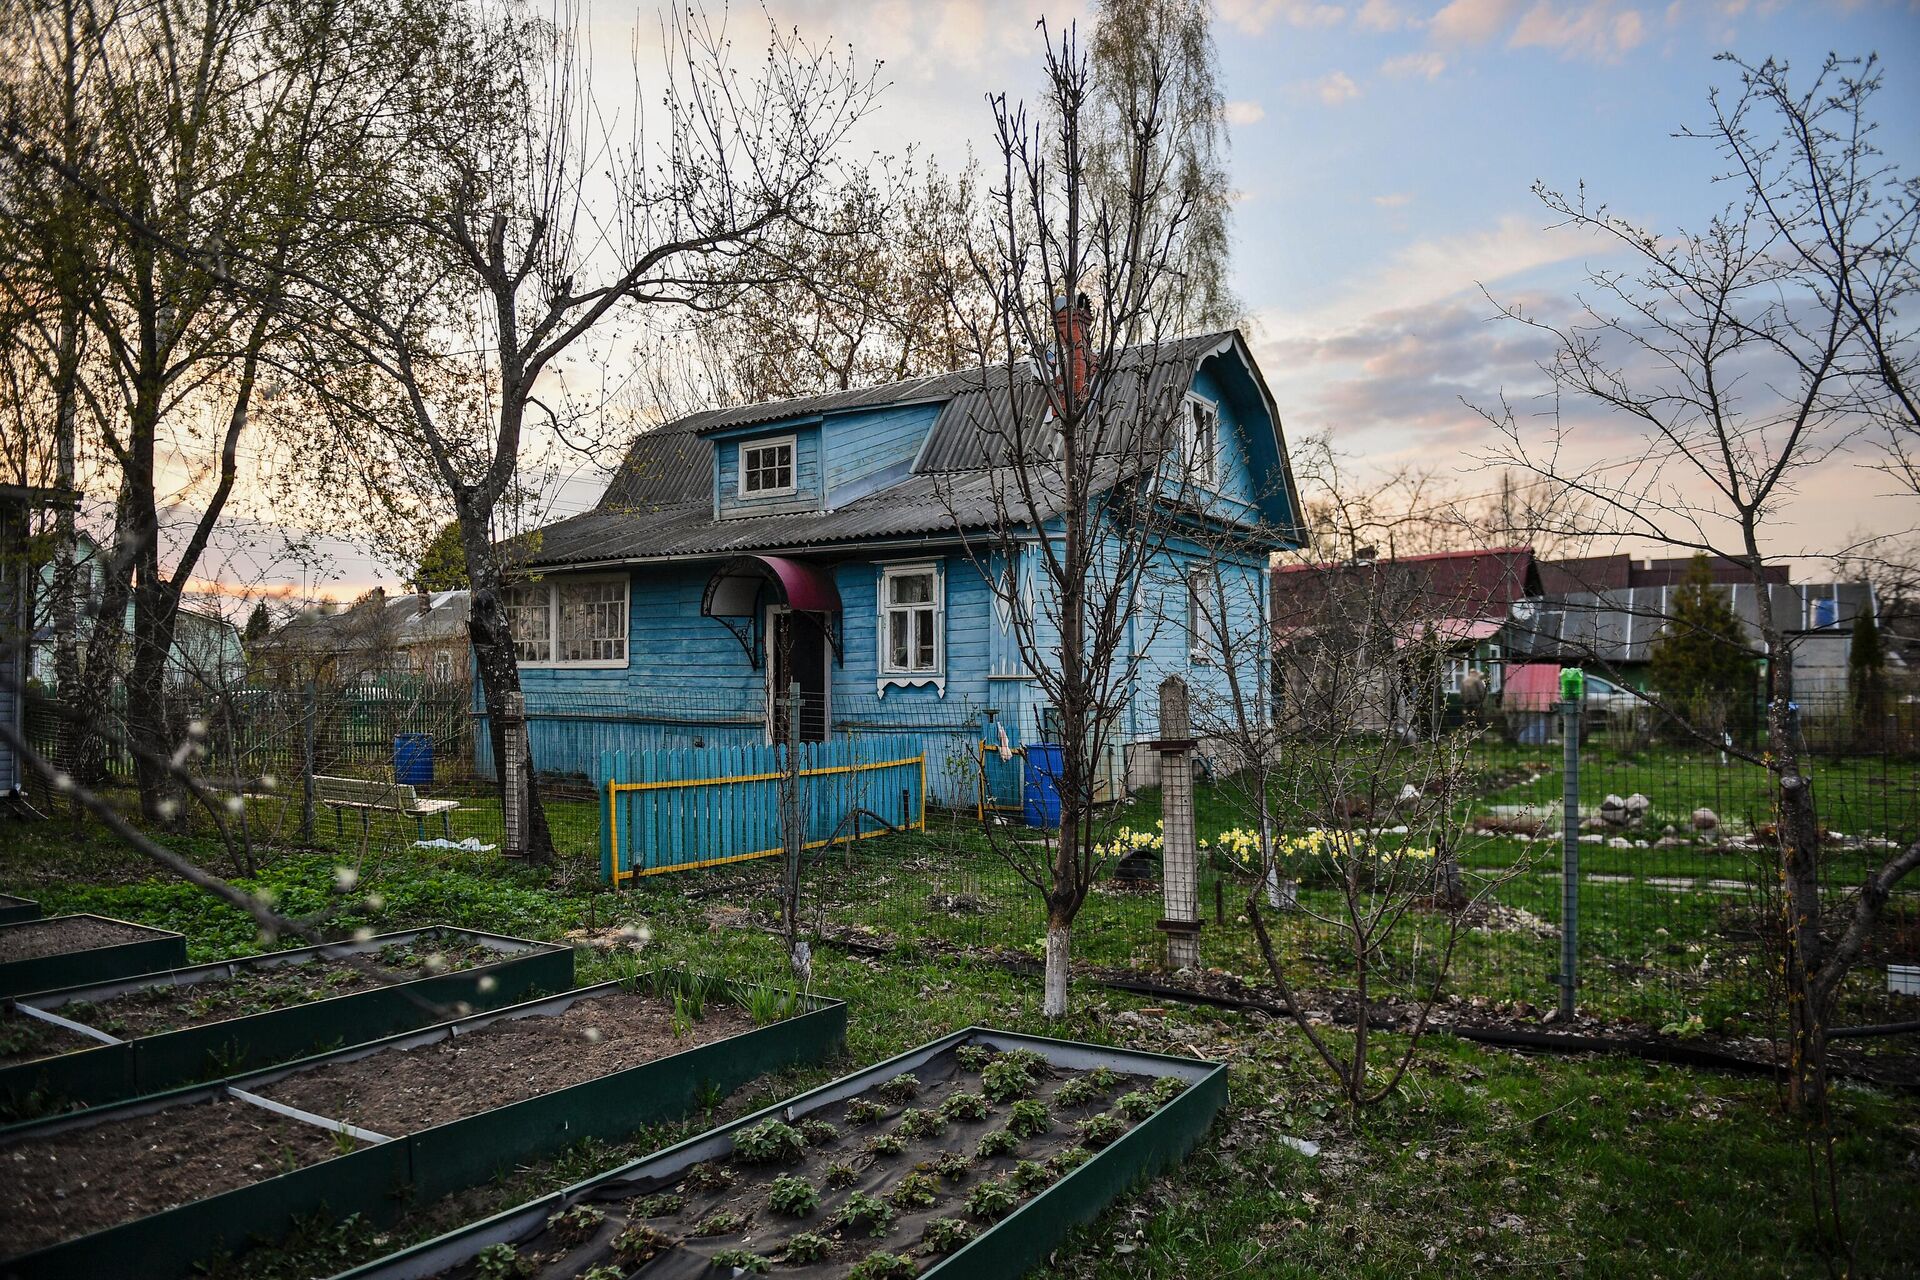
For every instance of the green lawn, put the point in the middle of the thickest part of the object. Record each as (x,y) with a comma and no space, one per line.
(1486,1162)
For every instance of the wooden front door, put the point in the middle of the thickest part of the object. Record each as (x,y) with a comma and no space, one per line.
(797,653)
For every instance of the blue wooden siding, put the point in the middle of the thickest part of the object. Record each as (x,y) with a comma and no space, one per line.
(806,474)
(866,452)
(689,686)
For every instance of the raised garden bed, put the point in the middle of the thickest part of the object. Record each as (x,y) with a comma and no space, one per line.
(122,1039)
(13,910)
(64,951)
(973,1155)
(209,1169)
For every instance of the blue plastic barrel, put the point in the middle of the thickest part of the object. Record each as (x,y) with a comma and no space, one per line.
(413,759)
(1041,795)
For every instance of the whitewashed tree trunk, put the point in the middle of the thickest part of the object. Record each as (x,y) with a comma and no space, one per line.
(1059,939)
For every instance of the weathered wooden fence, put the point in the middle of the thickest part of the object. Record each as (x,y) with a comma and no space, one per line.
(677,810)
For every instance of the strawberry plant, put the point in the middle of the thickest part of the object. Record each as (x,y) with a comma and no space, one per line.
(742,1260)
(964,1106)
(1098,1131)
(577,1225)
(915,1191)
(807,1246)
(881,1265)
(901,1088)
(769,1142)
(861,1211)
(944,1235)
(792,1196)
(991,1199)
(1001,1142)
(1030,1118)
(918,1123)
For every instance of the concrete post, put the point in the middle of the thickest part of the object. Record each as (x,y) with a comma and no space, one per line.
(1180,863)
(513,774)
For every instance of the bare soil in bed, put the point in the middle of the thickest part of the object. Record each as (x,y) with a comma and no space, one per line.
(398,1091)
(23,1039)
(152,1010)
(84,1180)
(31,939)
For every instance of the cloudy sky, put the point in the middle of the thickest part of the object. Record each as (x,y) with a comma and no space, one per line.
(1382,154)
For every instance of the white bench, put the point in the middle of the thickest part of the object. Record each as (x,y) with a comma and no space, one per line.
(387,797)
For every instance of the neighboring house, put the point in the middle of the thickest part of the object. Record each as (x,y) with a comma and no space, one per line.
(420,635)
(206,652)
(1607,612)
(841,542)
(1462,598)
(18,505)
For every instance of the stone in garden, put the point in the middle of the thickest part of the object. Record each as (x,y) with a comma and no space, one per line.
(1613,811)
(1592,824)
(1637,805)
(1668,830)
(1668,842)
(1705,819)
(1409,792)
(1594,839)
(1619,842)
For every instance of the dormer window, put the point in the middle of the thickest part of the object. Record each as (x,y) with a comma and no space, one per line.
(1200,444)
(766,468)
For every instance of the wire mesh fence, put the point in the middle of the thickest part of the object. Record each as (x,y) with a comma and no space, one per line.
(1674,886)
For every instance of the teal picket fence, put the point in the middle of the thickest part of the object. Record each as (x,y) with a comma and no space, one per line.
(677,810)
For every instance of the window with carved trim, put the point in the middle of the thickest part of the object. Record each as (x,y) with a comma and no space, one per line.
(1200,444)
(910,620)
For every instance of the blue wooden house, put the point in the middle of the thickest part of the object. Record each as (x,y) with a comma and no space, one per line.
(843,542)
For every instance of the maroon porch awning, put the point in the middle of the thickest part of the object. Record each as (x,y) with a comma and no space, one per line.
(739,588)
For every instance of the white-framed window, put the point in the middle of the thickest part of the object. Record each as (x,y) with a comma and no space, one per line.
(1201,624)
(1200,443)
(570,622)
(910,620)
(766,467)
(1496,669)
(442,666)
(1457,666)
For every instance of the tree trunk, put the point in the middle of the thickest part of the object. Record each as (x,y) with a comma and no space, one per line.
(1059,941)
(149,726)
(499,671)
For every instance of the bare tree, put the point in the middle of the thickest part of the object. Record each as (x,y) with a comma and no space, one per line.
(525,231)
(1072,448)
(220,142)
(874,294)
(1745,354)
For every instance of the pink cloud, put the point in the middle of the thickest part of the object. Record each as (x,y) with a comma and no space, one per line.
(1472,21)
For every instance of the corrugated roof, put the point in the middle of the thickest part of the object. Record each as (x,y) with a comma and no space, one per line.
(660,501)
(1622,626)
(922,504)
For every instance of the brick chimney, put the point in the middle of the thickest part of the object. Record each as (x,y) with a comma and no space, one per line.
(1073,359)
(422,599)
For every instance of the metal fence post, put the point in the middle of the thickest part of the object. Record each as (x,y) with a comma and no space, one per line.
(1180,863)
(1569,975)
(513,774)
